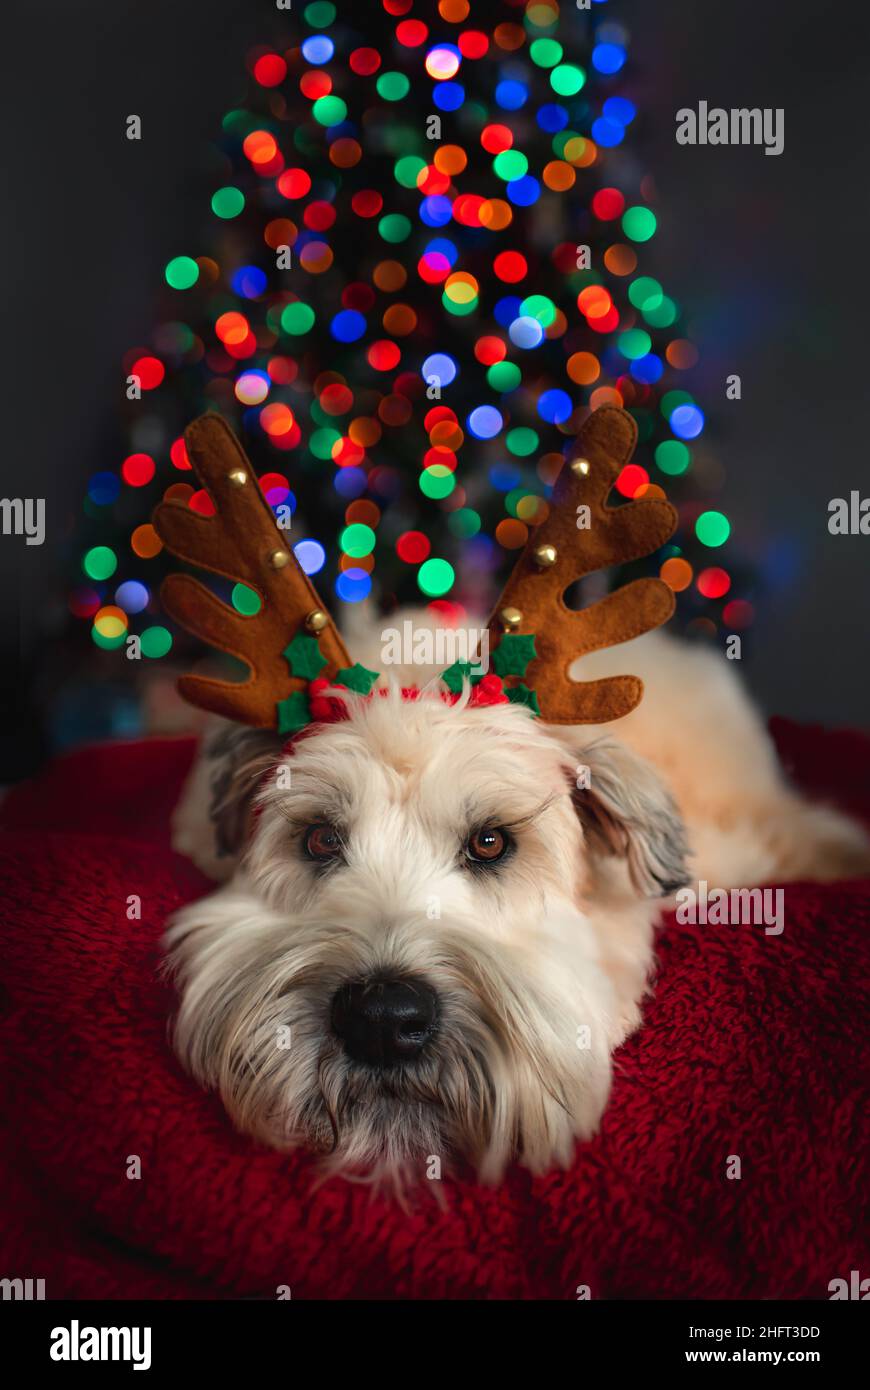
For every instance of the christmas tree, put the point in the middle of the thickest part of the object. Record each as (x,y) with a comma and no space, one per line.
(426,254)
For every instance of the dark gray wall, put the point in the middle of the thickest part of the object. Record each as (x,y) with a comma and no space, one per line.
(768,252)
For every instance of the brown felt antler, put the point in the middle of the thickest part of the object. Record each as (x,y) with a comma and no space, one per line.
(563,549)
(242,542)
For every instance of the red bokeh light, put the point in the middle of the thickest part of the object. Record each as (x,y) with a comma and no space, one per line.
(413,547)
(138,469)
(510,266)
(270,70)
(608,204)
(150,371)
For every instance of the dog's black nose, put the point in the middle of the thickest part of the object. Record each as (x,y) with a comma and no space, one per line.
(384,1022)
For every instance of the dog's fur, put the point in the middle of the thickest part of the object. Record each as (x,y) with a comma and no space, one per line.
(540,963)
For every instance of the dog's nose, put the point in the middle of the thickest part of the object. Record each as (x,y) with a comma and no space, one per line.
(384,1022)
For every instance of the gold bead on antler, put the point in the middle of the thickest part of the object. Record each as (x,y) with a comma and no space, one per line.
(242,542)
(316,621)
(558,555)
(544,556)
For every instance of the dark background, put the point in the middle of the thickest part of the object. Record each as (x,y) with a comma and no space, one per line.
(768,253)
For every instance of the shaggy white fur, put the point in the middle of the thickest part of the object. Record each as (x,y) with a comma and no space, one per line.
(539,961)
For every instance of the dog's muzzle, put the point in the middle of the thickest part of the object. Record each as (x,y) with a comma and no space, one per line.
(385,1022)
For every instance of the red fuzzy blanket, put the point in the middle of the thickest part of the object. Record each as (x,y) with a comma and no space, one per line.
(753,1046)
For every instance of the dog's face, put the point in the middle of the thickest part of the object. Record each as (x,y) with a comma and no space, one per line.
(411,961)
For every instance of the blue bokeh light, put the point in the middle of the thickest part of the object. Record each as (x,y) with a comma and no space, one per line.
(311,556)
(620,109)
(448,96)
(436,210)
(555,406)
(504,476)
(440,366)
(526,332)
(648,369)
(132,596)
(104,488)
(552,118)
(348,325)
(249,281)
(607,133)
(687,421)
(524,192)
(485,422)
(511,95)
(608,58)
(353,585)
(507,309)
(350,482)
(318,49)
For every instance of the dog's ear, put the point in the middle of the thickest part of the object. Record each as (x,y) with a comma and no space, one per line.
(237,758)
(626,810)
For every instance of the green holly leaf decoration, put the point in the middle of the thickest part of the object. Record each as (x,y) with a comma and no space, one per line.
(513,654)
(522,695)
(357,677)
(455,674)
(459,671)
(305,657)
(293,713)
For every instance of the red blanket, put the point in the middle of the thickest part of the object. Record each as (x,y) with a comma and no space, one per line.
(753,1047)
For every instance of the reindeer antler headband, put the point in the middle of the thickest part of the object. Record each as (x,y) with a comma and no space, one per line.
(292,641)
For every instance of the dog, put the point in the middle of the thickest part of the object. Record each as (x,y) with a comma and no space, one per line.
(436,921)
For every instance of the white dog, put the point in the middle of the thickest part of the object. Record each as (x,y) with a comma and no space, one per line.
(438,919)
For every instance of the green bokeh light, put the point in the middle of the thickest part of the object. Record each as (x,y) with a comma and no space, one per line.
(712,528)
(436,482)
(357,540)
(645,293)
(538,306)
(319,14)
(510,164)
(634,343)
(435,577)
(567,80)
(297,318)
(100,563)
(393,86)
(504,376)
(639,224)
(182,272)
(408,169)
(673,457)
(662,315)
(323,441)
(227,202)
(156,642)
(513,499)
(464,523)
(108,644)
(395,227)
(459,309)
(546,53)
(329,110)
(560,140)
(522,441)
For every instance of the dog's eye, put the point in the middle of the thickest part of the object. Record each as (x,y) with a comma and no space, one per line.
(488,845)
(322,842)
